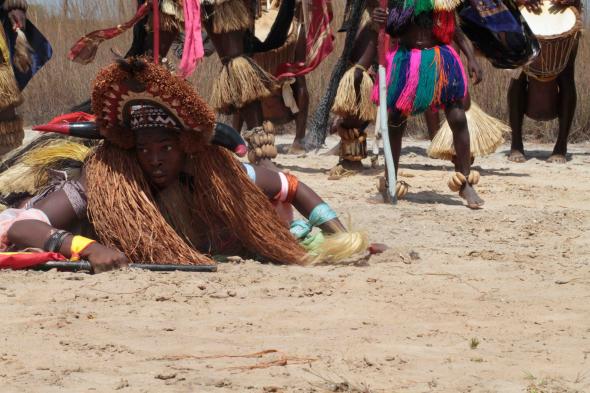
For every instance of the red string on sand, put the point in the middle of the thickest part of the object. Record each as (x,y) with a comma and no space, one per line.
(156,29)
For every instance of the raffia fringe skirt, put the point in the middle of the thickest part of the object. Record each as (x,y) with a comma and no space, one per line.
(350,104)
(240,82)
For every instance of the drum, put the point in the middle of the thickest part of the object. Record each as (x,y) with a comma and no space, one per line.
(507,45)
(557,30)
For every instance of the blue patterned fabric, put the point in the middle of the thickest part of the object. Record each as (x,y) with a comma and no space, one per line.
(42,50)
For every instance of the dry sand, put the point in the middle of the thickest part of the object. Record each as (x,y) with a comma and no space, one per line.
(514,278)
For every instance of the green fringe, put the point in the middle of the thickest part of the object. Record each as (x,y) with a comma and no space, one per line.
(427,82)
(396,73)
(423,6)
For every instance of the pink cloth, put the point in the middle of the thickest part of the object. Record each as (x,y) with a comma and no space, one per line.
(405,101)
(388,66)
(193,41)
(9,216)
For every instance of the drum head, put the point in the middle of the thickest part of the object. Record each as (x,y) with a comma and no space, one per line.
(551,20)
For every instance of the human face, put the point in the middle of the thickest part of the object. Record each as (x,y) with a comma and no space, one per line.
(160,155)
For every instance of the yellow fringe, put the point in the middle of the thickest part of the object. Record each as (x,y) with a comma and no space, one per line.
(341,246)
(485,134)
(240,82)
(18,178)
(29,174)
(232,15)
(348,103)
(446,5)
(40,159)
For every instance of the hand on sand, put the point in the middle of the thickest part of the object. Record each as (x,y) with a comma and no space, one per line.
(103,258)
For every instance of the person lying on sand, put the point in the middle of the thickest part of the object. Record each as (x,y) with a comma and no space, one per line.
(156,191)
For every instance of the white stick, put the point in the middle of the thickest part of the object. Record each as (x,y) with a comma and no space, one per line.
(391,179)
(378,133)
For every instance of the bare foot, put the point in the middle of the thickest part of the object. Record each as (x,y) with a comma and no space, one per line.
(557,159)
(516,156)
(296,147)
(473,200)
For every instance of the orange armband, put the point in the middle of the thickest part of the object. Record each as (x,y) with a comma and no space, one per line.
(79,244)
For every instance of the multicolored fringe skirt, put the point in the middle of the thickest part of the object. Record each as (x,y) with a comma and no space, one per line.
(240,82)
(419,79)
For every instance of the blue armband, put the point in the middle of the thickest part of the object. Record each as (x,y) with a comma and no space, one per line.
(300,229)
(251,172)
(321,214)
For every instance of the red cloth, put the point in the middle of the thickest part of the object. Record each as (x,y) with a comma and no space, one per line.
(85,49)
(24,260)
(444,25)
(73,118)
(320,42)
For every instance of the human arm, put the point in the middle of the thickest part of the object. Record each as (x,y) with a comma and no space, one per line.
(473,66)
(567,3)
(531,5)
(61,214)
(302,197)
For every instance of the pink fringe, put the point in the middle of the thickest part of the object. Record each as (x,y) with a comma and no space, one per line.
(405,103)
(460,63)
(193,43)
(388,65)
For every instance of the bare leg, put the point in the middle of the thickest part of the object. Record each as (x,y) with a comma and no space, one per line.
(432,118)
(567,108)
(397,126)
(517,100)
(458,123)
(301,96)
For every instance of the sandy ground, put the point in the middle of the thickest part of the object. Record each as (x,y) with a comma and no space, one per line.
(496,300)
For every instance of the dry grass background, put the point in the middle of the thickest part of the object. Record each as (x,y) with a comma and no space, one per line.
(61,83)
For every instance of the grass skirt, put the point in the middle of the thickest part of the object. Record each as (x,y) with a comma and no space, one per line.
(350,104)
(422,79)
(240,82)
(486,134)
